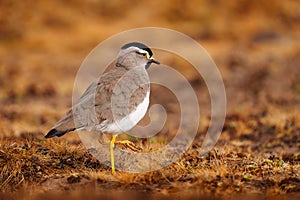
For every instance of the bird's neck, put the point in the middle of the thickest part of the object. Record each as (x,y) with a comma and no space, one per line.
(128,68)
(120,65)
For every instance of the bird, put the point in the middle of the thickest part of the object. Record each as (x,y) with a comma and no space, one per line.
(119,99)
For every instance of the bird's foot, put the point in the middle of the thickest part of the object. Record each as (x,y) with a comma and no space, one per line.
(129,144)
(113,171)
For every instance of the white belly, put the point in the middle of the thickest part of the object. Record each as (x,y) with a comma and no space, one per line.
(127,122)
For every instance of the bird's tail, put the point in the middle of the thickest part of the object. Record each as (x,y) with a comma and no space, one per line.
(63,126)
(54,132)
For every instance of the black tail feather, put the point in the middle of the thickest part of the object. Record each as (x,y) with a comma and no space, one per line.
(54,132)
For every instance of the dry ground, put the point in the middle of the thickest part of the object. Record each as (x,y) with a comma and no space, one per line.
(256,47)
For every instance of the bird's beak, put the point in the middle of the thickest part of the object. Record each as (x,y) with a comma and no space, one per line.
(152,60)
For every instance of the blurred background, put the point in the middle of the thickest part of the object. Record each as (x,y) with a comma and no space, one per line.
(255,44)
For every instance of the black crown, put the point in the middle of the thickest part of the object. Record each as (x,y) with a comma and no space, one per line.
(138,45)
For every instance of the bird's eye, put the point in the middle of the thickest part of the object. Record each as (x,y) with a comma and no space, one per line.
(143,54)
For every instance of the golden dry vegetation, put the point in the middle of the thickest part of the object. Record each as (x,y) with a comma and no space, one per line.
(255,44)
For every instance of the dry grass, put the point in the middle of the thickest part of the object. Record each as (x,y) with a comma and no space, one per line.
(253,156)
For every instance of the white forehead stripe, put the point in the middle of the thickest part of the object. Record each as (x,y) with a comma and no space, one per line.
(135,49)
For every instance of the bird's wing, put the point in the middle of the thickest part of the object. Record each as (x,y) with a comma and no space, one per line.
(94,106)
(91,108)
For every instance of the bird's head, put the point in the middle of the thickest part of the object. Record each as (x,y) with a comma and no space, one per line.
(135,54)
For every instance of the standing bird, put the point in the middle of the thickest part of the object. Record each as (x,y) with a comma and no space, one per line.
(118,100)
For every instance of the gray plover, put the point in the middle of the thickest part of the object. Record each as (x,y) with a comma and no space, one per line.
(119,98)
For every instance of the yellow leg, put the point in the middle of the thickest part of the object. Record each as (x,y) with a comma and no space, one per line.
(112,159)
